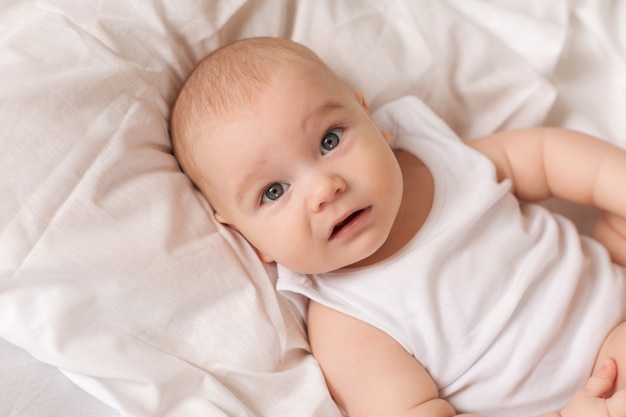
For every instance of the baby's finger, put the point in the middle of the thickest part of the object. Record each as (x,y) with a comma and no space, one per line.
(616,405)
(602,379)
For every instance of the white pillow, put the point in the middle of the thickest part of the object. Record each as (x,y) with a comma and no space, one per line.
(111,267)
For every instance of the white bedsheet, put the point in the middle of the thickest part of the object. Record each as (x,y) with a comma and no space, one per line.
(33,388)
(112,273)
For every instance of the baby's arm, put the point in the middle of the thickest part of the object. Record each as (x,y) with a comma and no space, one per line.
(544,162)
(370,374)
(367,372)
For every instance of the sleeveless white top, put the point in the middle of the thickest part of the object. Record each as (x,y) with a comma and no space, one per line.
(506,306)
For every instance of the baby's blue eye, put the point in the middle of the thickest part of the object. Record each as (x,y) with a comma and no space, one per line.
(331,140)
(274,192)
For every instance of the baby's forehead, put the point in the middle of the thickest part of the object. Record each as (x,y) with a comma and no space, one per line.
(246,101)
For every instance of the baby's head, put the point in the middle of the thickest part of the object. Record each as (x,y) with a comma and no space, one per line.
(287,154)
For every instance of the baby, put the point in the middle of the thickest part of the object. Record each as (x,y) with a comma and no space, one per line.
(432,289)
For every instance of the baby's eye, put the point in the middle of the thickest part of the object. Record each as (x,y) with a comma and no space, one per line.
(331,140)
(274,192)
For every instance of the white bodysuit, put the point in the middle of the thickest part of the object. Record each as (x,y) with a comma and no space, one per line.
(506,306)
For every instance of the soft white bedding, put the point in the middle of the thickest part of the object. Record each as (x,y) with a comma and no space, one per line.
(111,269)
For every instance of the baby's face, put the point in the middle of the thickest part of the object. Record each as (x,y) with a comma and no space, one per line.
(304,174)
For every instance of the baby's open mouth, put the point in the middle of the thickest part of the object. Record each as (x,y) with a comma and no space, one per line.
(345,222)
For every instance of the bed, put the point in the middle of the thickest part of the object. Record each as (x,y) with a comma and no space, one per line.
(119,295)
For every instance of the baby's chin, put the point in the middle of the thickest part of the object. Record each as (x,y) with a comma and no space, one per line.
(367,252)
(317,268)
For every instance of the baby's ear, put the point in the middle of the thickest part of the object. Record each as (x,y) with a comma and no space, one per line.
(222,220)
(263,257)
(361,97)
(386,135)
(219,218)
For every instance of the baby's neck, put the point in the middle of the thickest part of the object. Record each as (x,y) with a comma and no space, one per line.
(417,199)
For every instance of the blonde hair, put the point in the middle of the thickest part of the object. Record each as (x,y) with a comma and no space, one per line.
(229,78)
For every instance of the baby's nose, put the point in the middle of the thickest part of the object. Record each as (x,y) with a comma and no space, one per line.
(324,189)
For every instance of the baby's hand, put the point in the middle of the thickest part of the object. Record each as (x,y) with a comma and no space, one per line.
(591,401)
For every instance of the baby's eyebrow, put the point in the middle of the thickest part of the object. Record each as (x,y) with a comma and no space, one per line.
(324,110)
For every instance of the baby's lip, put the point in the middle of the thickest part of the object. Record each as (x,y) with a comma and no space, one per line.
(344,221)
